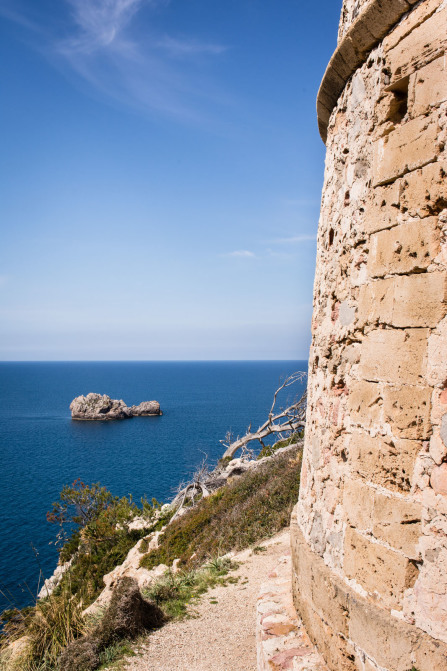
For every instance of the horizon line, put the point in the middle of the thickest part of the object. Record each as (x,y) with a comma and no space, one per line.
(11,361)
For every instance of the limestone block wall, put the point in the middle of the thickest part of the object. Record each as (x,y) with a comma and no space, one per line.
(370,528)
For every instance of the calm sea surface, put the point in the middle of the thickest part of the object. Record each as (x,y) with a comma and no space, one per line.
(41,448)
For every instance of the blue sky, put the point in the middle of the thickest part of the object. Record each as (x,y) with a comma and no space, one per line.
(160,177)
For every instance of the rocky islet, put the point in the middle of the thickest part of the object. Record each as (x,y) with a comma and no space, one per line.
(101,407)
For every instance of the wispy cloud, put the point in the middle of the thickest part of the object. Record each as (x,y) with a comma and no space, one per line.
(189,47)
(242,254)
(100,22)
(114,47)
(294,239)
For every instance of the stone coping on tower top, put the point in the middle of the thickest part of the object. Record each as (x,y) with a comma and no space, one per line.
(368,29)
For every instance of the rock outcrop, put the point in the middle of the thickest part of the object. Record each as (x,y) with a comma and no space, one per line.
(130,568)
(145,408)
(102,407)
(127,615)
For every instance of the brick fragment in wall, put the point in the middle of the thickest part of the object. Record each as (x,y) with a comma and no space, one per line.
(395,356)
(404,301)
(422,45)
(437,448)
(427,87)
(438,479)
(424,191)
(406,248)
(377,569)
(437,360)
(384,461)
(410,146)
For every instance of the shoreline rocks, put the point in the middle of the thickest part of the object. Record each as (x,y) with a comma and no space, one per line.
(101,407)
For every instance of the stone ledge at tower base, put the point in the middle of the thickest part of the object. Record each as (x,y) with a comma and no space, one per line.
(282,643)
(334,616)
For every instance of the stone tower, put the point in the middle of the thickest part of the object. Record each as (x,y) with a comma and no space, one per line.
(370,528)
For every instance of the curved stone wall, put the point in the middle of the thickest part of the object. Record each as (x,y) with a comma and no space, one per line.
(370,528)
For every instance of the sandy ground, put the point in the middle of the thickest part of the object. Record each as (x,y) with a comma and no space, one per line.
(222,636)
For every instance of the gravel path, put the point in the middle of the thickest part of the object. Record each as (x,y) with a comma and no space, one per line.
(222,636)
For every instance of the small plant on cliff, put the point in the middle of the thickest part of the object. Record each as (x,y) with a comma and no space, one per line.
(174,592)
(269,450)
(49,626)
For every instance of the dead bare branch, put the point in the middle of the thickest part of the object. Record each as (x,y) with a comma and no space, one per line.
(289,421)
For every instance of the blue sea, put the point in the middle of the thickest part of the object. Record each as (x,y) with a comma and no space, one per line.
(41,448)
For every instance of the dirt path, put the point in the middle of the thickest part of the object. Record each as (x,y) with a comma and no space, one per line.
(222,636)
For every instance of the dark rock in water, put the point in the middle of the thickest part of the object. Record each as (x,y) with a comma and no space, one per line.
(145,408)
(101,407)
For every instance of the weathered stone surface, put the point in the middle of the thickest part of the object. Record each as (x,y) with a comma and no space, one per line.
(365,403)
(418,300)
(97,406)
(424,191)
(420,46)
(358,504)
(428,87)
(404,249)
(408,147)
(398,523)
(420,13)
(395,356)
(387,641)
(130,568)
(382,210)
(282,642)
(379,570)
(51,583)
(14,656)
(407,410)
(102,407)
(388,462)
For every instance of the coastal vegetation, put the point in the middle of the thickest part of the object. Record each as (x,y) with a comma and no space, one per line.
(248,509)
(233,507)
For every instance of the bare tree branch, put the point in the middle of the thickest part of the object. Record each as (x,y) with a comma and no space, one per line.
(282,423)
(289,420)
